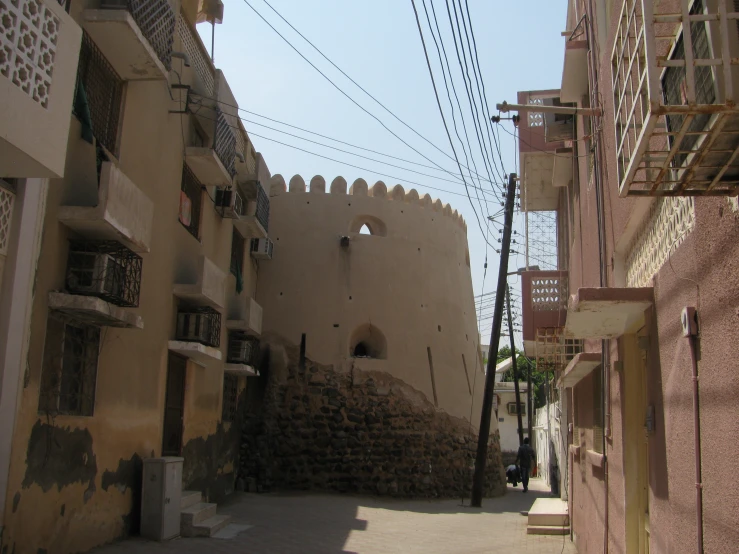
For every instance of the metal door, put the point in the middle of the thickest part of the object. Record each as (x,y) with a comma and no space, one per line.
(174,405)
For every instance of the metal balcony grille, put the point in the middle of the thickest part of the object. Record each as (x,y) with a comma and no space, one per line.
(199,324)
(238,243)
(98,94)
(69,368)
(105,269)
(677,127)
(553,350)
(230,397)
(155,19)
(198,55)
(242,348)
(190,201)
(225,142)
(262,212)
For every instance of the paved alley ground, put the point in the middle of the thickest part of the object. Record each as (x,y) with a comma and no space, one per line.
(313,523)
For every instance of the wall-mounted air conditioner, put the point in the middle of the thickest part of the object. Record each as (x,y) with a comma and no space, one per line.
(230,203)
(95,273)
(241,349)
(194,327)
(262,249)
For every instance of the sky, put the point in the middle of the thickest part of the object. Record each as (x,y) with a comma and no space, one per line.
(377,43)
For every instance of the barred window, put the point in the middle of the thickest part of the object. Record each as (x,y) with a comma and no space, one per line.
(237,254)
(98,94)
(230,396)
(191,202)
(70,367)
(512,408)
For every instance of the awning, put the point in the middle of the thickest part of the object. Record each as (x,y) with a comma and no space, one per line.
(575,71)
(606,313)
(579,367)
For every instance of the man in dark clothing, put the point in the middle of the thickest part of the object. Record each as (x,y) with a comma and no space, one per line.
(524,459)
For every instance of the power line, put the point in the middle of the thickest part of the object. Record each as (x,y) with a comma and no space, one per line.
(443,119)
(337,87)
(383,106)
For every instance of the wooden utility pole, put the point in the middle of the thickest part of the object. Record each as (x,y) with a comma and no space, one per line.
(478,481)
(514,367)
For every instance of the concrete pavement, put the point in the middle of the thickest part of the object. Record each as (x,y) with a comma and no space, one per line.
(292,523)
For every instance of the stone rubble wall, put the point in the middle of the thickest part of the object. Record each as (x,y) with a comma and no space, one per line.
(357,431)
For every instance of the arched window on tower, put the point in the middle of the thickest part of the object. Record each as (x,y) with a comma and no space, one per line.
(367,341)
(365,230)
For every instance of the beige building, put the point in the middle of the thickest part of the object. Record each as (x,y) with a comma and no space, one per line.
(128,325)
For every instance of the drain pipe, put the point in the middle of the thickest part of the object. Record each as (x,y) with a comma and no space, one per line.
(690,331)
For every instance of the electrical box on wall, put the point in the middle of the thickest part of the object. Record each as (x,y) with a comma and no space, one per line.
(160,498)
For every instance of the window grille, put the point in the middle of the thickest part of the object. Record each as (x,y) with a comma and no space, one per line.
(69,368)
(598,410)
(230,397)
(238,243)
(512,408)
(102,88)
(199,324)
(225,143)
(242,348)
(105,269)
(262,212)
(190,202)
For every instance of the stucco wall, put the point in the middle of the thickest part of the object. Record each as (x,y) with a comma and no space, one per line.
(412,285)
(508,427)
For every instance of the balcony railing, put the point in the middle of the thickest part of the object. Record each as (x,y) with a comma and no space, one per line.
(544,296)
(105,269)
(676,120)
(225,142)
(155,19)
(199,58)
(262,211)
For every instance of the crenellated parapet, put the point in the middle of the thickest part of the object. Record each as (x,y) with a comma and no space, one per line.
(359,187)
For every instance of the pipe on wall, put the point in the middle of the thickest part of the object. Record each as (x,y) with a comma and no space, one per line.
(690,330)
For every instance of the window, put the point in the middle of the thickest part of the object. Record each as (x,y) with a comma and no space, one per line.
(512,408)
(237,254)
(367,341)
(69,368)
(368,225)
(98,94)
(230,396)
(190,202)
(598,410)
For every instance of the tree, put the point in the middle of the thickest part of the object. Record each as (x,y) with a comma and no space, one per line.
(538,378)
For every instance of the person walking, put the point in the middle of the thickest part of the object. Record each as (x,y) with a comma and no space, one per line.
(524,458)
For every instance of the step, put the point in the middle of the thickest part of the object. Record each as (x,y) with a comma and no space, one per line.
(189,498)
(197,513)
(549,512)
(210,526)
(547,530)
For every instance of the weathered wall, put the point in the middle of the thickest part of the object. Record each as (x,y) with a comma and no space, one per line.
(360,431)
(74,482)
(508,423)
(409,280)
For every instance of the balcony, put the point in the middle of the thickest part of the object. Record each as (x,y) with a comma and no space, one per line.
(244,315)
(674,79)
(202,73)
(544,305)
(136,36)
(539,155)
(607,313)
(39,49)
(94,310)
(198,334)
(203,284)
(122,212)
(214,165)
(255,222)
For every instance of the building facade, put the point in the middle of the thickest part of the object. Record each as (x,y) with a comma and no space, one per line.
(128,325)
(639,317)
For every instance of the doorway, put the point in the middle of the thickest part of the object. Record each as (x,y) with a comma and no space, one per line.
(174,405)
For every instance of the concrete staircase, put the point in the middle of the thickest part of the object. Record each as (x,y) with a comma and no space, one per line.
(548,516)
(198,518)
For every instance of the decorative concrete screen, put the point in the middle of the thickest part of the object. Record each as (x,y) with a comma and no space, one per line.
(7,199)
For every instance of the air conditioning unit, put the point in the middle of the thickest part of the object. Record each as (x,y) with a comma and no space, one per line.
(95,273)
(241,349)
(193,327)
(230,203)
(558,127)
(262,249)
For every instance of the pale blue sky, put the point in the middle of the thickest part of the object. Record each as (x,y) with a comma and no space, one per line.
(376,42)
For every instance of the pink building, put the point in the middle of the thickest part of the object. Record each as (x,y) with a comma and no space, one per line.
(646,292)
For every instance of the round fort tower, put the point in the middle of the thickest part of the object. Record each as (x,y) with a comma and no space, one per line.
(398,300)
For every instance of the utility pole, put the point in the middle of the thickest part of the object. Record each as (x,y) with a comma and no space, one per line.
(515,369)
(529,401)
(478,482)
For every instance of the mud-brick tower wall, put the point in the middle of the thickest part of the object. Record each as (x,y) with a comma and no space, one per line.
(405,291)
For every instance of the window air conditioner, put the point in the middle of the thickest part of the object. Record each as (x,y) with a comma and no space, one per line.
(193,327)
(262,249)
(95,273)
(230,203)
(240,349)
